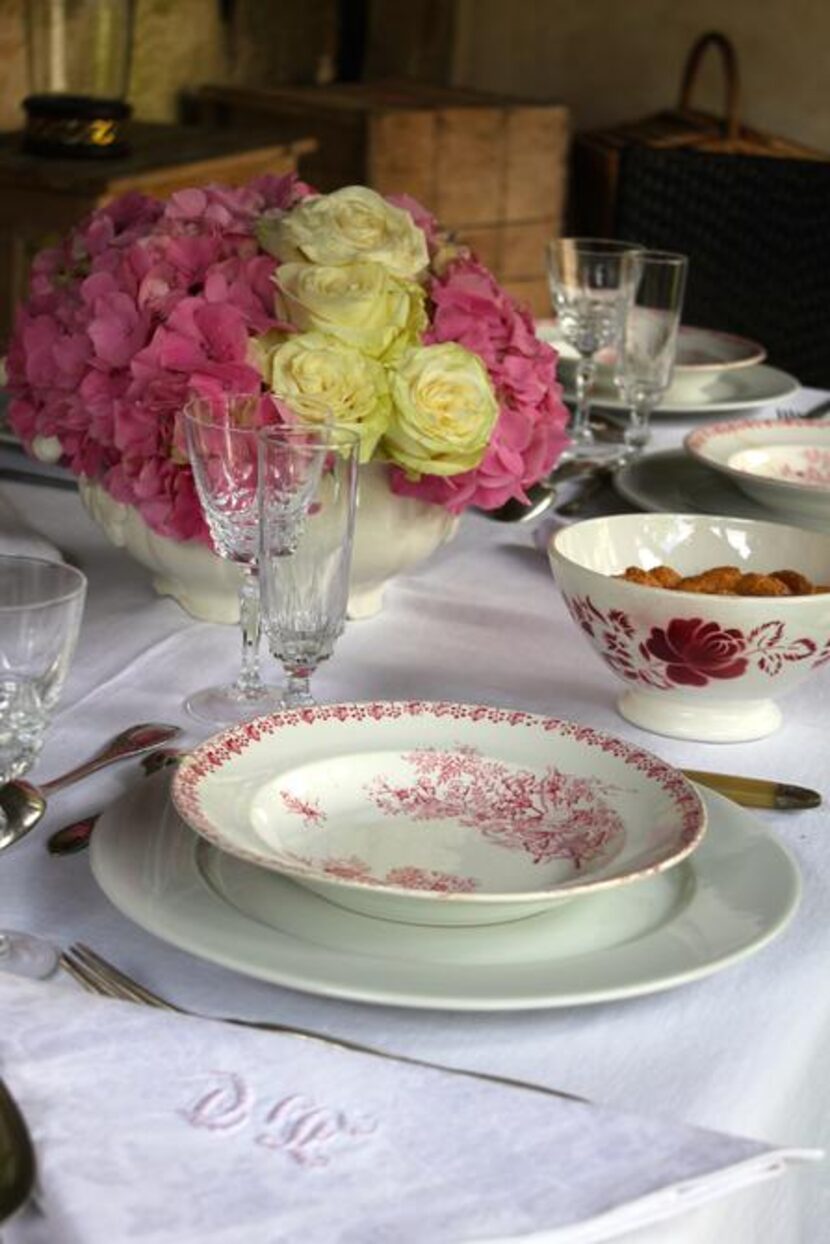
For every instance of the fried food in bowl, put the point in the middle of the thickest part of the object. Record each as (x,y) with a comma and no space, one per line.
(690,612)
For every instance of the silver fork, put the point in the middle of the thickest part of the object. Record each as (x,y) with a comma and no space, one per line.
(98,976)
(815,412)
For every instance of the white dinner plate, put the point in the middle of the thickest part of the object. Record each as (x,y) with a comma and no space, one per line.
(731,897)
(672,481)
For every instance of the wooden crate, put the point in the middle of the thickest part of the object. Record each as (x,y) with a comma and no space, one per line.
(41,198)
(491,169)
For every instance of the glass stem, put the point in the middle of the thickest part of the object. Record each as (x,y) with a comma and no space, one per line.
(580,430)
(638,431)
(297,692)
(249,681)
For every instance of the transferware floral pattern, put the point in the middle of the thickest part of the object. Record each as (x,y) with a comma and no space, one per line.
(813,469)
(690,652)
(442,783)
(548,815)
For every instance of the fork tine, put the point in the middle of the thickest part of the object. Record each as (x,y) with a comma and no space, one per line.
(81,975)
(106,978)
(93,980)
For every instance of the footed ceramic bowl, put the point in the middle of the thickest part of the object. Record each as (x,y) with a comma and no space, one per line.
(696,666)
(392,534)
(438,814)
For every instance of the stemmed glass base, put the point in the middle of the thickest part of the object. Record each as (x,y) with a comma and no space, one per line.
(228,704)
(25,955)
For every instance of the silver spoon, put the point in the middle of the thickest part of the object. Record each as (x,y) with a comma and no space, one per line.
(75,836)
(542,495)
(17,1157)
(22,804)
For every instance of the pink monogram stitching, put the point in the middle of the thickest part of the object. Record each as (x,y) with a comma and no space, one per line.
(224,1107)
(306,1132)
(297,1126)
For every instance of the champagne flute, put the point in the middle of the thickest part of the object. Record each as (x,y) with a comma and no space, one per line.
(592,283)
(308,492)
(221,436)
(648,345)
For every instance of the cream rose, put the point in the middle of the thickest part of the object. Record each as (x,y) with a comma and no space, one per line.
(443,411)
(347,226)
(361,304)
(321,378)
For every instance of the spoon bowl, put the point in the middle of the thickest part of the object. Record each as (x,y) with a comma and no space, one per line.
(22,805)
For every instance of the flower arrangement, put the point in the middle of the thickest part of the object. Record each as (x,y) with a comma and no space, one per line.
(346,302)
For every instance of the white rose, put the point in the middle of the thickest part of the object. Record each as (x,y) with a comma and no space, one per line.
(348,226)
(361,304)
(443,410)
(320,378)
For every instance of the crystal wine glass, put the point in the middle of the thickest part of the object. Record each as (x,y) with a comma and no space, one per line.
(41,605)
(591,284)
(308,492)
(647,348)
(221,435)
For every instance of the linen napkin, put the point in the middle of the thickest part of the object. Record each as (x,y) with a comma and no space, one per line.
(150,1126)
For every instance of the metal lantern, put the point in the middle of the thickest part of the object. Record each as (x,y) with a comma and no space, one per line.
(79,55)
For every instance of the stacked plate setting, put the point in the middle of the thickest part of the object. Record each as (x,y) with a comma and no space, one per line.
(439,814)
(447,856)
(714,371)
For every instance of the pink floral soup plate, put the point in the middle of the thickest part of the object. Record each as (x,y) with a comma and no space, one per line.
(438,813)
(694,665)
(783,464)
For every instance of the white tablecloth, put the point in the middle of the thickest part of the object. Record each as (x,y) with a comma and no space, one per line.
(744,1051)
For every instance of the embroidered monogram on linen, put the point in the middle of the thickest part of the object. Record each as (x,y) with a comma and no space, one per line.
(309,1133)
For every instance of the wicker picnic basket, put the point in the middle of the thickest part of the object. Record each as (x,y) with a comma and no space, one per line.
(749,209)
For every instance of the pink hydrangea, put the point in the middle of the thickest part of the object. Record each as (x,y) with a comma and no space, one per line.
(147,301)
(142,303)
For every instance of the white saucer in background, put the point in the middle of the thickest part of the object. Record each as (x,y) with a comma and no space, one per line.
(724,388)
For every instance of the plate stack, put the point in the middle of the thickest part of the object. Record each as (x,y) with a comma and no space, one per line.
(713,372)
(443,855)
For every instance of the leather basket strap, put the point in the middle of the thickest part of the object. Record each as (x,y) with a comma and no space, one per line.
(732,84)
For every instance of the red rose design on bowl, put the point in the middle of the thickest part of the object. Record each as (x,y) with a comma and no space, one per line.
(695,651)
